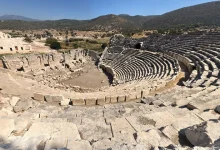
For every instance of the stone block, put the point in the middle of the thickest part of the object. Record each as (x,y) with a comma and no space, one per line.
(22,105)
(53,130)
(39,97)
(48,98)
(132,96)
(14,101)
(65,102)
(82,145)
(121,98)
(114,99)
(138,95)
(172,134)
(144,93)
(78,102)
(57,98)
(7,126)
(107,99)
(153,138)
(127,98)
(91,101)
(101,101)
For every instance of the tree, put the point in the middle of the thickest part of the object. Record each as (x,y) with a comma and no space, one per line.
(55,45)
(28,39)
(38,36)
(50,40)
(104,45)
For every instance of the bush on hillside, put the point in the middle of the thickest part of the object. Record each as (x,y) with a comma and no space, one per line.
(49,41)
(28,39)
(55,45)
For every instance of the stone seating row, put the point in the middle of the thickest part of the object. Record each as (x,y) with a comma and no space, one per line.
(204,56)
(106,97)
(132,64)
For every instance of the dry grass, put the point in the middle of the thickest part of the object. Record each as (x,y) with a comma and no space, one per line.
(86,45)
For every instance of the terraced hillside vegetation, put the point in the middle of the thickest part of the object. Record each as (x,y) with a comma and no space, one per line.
(163,93)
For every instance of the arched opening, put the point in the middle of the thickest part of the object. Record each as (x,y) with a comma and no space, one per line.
(138,45)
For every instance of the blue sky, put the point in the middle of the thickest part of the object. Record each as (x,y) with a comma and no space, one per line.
(87,9)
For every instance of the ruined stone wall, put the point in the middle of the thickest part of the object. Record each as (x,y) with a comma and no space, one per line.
(37,61)
(93,55)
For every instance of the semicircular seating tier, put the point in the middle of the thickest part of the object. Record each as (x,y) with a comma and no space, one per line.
(126,64)
(199,51)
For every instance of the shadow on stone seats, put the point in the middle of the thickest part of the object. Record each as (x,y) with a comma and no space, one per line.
(110,78)
(20,69)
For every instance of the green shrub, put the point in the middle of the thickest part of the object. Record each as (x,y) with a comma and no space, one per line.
(50,40)
(55,45)
(28,39)
(75,45)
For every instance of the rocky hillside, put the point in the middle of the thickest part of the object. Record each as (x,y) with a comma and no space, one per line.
(204,14)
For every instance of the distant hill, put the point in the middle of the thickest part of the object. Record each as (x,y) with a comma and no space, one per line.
(203,14)
(15,17)
(207,14)
(102,23)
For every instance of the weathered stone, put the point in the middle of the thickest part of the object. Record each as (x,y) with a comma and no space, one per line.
(123,131)
(57,98)
(65,102)
(121,98)
(153,138)
(94,132)
(208,115)
(185,121)
(114,99)
(6,127)
(127,98)
(147,100)
(144,93)
(101,101)
(171,133)
(91,101)
(78,102)
(157,103)
(39,97)
(141,123)
(131,97)
(79,145)
(204,134)
(107,99)
(161,118)
(48,98)
(217,109)
(65,130)
(56,143)
(35,143)
(14,101)
(102,144)
(22,105)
